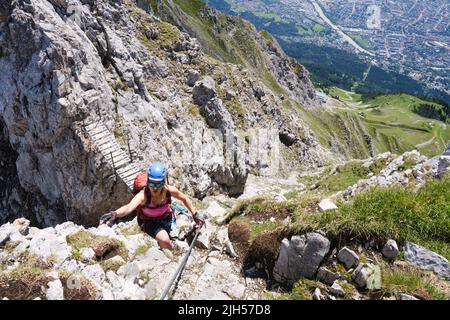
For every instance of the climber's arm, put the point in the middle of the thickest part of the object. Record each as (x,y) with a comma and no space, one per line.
(137,200)
(177,194)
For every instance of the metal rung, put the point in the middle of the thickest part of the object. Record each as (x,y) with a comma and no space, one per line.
(118,152)
(101,137)
(132,169)
(107,151)
(100,134)
(93,125)
(109,148)
(130,186)
(109,137)
(129,175)
(121,158)
(120,164)
(108,144)
(96,130)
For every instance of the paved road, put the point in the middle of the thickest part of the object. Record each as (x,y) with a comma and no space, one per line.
(338,30)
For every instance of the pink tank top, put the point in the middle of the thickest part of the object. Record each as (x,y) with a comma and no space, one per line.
(155,212)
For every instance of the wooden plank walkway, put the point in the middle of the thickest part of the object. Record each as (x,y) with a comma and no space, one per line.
(106,143)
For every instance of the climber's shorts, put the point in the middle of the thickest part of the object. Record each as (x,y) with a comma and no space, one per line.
(153,226)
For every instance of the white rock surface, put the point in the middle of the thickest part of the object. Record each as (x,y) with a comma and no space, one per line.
(55,290)
(327,204)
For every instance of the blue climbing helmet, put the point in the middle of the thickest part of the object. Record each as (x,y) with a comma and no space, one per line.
(157,172)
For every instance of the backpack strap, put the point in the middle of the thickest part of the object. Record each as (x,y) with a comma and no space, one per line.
(148,196)
(169,196)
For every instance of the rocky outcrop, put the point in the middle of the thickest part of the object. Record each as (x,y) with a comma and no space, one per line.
(390,250)
(395,173)
(426,259)
(300,257)
(367,276)
(348,257)
(137,269)
(65,63)
(292,75)
(261,54)
(212,108)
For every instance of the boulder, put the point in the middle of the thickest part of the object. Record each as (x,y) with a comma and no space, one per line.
(348,257)
(367,276)
(72,266)
(235,291)
(216,211)
(443,166)
(337,290)
(95,274)
(317,295)
(133,242)
(20,249)
(326,276)
(300,257)
(206,232)
(87,253)
(210,293)
(326,204)
(132,291)
(47,244)
(404,296)
(22,225)
(390,250)
(4,236)
(152,258)
(130,271)
(183,226)
(423,258)
(55,290)
(192,77)
(204,91)
(67,228)
(279,198)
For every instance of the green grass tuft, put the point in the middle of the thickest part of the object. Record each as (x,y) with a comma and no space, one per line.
(84,239)
(413,282)
(421,217)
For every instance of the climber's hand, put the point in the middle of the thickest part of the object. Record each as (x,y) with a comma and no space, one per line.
(108,218)
(198,222)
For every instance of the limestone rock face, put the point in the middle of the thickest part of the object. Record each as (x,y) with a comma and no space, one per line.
(66,63)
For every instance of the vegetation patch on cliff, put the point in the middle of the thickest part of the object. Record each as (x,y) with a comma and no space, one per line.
(376,215)
(390,213)
(103,247)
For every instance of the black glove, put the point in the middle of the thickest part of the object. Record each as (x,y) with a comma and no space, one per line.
(198,222)
(108,218)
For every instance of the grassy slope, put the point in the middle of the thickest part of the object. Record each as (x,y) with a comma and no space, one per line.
(338,127)
(230,39)
(393,125)
(381,213)
(387,119)
(420,216)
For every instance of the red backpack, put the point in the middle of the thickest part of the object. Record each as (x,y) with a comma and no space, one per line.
(140,182)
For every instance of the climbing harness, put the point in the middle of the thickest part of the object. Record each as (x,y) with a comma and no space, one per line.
(181,266)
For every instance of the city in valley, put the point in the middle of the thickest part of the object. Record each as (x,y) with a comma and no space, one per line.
(411,37)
